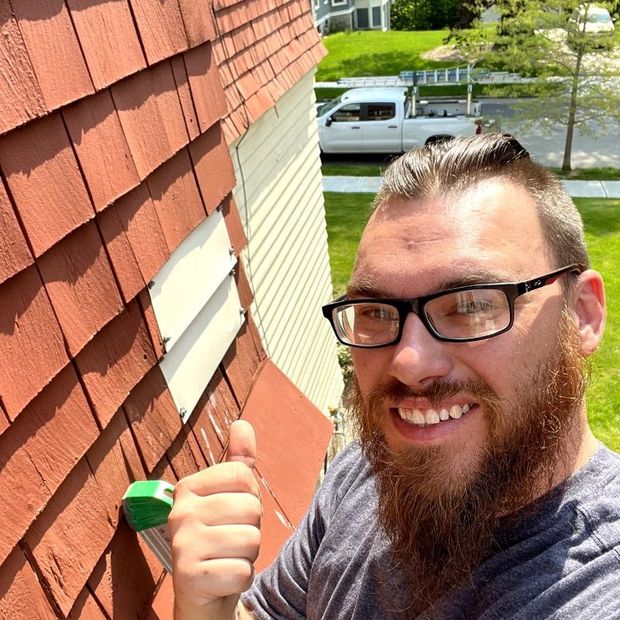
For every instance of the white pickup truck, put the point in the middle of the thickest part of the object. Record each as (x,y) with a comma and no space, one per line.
(385,120)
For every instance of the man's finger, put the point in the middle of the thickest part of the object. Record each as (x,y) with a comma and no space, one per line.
(242,443)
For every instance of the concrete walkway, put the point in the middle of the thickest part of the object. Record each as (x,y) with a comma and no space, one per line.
(577,189)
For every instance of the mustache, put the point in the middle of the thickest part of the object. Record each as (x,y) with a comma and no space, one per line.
(435,392)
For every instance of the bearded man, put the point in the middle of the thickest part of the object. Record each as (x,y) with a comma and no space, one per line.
(476,489)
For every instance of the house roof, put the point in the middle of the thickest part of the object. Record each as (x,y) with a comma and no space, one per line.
(115,122)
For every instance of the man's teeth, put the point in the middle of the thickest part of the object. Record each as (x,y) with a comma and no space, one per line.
(432,416)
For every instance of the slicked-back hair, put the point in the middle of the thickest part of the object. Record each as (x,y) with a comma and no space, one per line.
(451,167)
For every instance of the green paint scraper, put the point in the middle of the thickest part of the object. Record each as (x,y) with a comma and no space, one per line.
(147,504)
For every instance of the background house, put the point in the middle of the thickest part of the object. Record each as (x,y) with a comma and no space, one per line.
(162,264)
(337,15)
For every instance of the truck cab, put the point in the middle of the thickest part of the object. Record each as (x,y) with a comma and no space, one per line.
(363,120)
(385,120)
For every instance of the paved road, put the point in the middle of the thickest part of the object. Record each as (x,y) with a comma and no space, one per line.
(598,150)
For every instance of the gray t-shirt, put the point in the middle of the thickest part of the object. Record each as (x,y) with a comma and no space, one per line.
(563,561)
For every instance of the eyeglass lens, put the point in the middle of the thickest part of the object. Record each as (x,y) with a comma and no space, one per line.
(460,315)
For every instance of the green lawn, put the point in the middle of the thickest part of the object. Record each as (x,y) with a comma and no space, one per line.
(347,213)
(363,53)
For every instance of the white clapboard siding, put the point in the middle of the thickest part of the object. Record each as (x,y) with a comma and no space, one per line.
(279,195)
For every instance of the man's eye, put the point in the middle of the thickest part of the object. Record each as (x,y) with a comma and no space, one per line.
(375,313)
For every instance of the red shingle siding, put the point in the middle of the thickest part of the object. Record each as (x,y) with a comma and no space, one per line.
(115,120)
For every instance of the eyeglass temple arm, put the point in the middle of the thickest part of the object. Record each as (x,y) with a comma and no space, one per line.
(531,285)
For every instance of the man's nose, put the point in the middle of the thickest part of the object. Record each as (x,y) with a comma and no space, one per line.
(419,358)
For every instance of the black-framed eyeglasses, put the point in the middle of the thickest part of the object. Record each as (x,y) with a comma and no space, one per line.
(462,314)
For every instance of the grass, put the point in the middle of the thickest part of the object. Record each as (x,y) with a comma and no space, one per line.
(346,215)
(602,221)
(364,53)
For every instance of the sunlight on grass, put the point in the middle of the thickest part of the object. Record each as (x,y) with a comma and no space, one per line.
(346,215)
(363,53)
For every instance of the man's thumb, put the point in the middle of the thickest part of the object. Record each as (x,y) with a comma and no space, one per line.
(241,443)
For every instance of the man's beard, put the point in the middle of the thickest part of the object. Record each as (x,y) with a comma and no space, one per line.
(440,522)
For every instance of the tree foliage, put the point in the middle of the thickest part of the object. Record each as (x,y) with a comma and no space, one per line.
(574,70)
(429,14)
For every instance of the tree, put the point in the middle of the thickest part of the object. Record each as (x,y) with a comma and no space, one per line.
(576,81)
(426,14)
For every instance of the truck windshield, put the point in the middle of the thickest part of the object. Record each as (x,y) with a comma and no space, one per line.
(326,107)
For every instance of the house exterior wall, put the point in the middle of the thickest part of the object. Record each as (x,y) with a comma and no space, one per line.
(277,167)
(337,15)
(127,343)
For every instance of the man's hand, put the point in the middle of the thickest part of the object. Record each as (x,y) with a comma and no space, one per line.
(215,531)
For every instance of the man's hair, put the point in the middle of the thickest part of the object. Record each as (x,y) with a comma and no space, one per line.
(453,166)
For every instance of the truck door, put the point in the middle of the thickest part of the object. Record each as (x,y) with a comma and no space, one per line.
(381,128)
(344,134)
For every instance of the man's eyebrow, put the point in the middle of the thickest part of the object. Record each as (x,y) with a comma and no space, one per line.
(480,276)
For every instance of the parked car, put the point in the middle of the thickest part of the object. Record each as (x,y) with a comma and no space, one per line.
(386,120)
(591,26)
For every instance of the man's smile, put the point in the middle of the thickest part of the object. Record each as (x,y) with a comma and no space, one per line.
(426,417)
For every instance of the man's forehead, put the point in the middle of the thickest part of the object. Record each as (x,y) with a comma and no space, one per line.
(488,232)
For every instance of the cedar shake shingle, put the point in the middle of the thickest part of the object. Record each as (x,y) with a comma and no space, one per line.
(151,116)
(185,96)
(198,20)
(176,198)
(213,168)
(32,349)
(86,607)
(68,538)
(54,50)
(39,450)
(21,595)
(146,306)
(161,28)
(114,462)
(241,363)
(205,86)
(246,295)
(125,578)
(105,28)
(234,226)
(153,416)
(44,179)
(115,361)
(14,252)
(79,281)
(101,148)
(134,240)
(21,99)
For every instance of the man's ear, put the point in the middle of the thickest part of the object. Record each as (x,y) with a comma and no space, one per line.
(589,310)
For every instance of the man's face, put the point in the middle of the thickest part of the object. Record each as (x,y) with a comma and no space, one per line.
(514,400)
(490,233)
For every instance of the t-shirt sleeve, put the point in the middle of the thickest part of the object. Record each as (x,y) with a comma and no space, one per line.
(281,590)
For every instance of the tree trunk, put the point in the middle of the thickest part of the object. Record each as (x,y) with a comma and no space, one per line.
(572,112)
